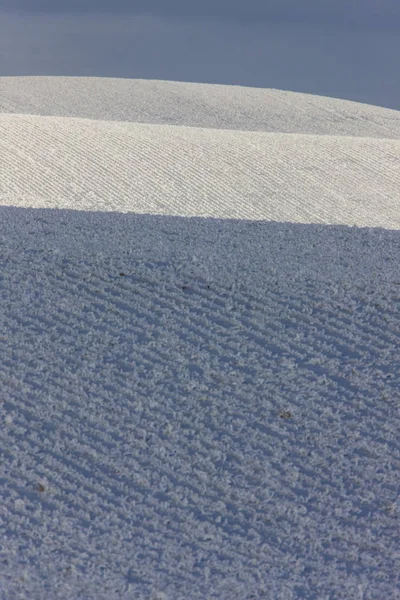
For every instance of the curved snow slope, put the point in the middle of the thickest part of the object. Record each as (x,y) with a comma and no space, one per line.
(294,175)
(197,408)
(195,105)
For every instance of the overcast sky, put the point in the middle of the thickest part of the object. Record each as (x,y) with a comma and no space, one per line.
(343,48)
(362,9)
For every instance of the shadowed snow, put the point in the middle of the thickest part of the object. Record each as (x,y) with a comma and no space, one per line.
(199,333)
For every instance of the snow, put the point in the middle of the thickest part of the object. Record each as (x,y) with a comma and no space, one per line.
(199,334)
(344,49)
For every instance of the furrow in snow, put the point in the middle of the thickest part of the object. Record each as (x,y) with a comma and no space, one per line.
(174,170)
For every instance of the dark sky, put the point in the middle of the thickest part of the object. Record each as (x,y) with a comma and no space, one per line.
(342,48)
(363,11)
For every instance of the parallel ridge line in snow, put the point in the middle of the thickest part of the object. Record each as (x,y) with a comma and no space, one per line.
(159,424)
(117,174)
(98,427)
(60,176)
(198,105)
(108,302)
(183,170)
(109,295)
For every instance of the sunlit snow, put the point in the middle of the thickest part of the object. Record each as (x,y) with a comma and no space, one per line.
(199,336)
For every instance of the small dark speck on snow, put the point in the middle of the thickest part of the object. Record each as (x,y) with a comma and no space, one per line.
(285,414)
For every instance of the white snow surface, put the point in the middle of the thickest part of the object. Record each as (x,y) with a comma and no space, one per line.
(199,343)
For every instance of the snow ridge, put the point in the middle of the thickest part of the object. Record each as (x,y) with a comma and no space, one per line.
(199,333)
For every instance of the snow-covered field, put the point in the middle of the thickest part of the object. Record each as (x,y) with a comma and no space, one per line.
(199,334)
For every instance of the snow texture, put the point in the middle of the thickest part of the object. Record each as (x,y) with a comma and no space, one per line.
(199,343)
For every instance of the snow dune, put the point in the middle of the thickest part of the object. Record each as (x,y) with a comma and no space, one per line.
(184,171)
(195,105)
(199,334)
